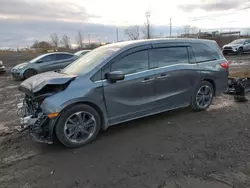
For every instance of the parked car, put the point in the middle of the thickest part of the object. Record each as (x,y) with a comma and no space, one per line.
(121,82)
(2,67)
(237,46)
(43,63)
(82,52)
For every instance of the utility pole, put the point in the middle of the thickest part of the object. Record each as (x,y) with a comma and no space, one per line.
(89,38)
(148,25)
(170,28)
(117,35)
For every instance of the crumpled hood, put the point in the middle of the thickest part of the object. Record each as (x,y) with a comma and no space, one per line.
(21,65)
(37,82)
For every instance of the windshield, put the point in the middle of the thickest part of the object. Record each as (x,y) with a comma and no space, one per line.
(37,58)
(239,41)
(89,61)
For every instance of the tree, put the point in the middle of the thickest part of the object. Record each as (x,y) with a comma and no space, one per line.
(54,40)
(66,41)
(41,44)
(79,40)
(194,30)
(147,26)
(133,32)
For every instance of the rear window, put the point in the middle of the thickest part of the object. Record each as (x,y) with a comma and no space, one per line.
(63,56)
(206,52)
(169,56)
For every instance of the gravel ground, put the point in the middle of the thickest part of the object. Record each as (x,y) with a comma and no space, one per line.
(170,150)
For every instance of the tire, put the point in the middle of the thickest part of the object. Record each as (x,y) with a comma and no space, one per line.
(63,133)
(240,51)
(29,73)
(194,99)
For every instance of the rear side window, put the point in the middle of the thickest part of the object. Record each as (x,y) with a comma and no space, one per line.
(63,56)
(206,52)
(132,63)
(169,56)
(49,58)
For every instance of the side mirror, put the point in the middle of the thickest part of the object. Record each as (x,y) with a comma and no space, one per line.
(114,76)
(39,61)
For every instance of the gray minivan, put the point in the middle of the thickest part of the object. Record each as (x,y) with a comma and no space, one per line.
(121,82)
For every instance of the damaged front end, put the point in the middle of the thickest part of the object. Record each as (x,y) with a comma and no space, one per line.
(36,90)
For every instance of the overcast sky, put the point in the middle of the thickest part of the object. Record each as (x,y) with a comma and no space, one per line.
(24,21)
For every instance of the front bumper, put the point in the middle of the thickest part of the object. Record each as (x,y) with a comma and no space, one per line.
(41,127)
(230,50)
(17,73)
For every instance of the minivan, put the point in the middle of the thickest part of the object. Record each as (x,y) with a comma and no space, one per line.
(120,82)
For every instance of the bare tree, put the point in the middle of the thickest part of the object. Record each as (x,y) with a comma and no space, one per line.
(147,26)
(66,41)
(79,39)
(54,40)
(187,29)
(133,32)
(194,30)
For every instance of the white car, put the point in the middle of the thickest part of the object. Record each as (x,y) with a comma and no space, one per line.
(2,67)
(82,52)
(237,46)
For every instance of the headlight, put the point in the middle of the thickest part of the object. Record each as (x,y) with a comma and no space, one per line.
(1,63)
(21,67)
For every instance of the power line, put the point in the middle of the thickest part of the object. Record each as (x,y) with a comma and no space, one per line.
(219,15)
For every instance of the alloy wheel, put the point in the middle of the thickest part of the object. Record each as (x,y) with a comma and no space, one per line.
(80,127)
(204,96)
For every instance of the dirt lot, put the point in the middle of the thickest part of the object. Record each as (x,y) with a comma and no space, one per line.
(174,149)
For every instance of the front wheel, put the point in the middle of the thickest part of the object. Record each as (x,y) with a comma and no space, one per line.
(202,96)
(78,126)
(240,51)
(29,73)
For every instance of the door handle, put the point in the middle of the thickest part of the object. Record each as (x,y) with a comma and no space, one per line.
(147,80)
(162,76)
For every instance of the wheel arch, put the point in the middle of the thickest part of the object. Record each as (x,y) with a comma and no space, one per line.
(28,69)
(31,68)
(104,120)
(211,82)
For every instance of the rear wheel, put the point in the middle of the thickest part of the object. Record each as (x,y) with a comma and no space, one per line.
(202,96)
(29,73)
(78,126)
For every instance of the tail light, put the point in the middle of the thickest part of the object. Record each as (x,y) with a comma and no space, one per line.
(225,65)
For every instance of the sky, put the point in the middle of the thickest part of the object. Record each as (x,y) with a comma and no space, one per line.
(24,21)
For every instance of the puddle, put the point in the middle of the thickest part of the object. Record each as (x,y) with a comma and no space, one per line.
(191,182)
(18,157)
(11,87)
(221,103)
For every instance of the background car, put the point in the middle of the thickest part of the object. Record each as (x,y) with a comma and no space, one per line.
(43,63)
(82,52)
(2,67)
(237,46)
(121,82)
